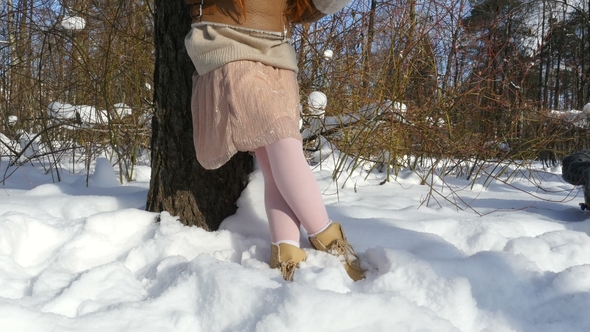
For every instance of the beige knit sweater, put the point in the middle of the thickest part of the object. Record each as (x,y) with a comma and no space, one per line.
(211,46)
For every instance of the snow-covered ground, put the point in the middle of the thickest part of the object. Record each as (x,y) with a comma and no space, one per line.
(77,258)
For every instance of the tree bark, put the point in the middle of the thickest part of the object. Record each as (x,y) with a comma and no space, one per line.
(179,184)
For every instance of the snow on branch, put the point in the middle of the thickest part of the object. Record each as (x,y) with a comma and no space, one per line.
(84,114)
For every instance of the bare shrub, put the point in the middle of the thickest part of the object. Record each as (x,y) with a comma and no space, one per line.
(95,56)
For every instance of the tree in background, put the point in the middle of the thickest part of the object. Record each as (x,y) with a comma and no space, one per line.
(94,55)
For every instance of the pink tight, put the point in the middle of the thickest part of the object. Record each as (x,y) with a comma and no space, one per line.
(291,193)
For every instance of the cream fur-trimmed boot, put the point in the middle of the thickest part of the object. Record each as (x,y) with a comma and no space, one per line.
(333,241)
(286,257)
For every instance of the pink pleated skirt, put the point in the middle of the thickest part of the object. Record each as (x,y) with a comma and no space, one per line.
(242,106)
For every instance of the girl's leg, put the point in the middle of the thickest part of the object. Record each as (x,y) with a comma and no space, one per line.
(296,184)
(283,224)
(292,195)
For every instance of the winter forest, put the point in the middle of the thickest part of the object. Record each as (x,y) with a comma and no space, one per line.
(459,79)
(435,130)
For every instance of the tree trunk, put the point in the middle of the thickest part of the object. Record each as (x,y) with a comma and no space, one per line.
(179,184)
(368,49)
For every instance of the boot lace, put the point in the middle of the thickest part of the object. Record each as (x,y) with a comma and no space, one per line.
(341,247)
(288,269)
